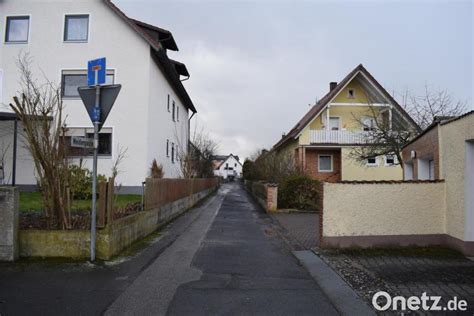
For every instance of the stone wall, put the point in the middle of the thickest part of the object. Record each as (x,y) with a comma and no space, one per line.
(9,218)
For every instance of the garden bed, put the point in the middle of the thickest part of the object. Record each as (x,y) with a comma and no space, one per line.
(32,217)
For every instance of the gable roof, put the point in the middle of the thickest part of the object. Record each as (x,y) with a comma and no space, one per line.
(163,38)
(224,158)
(321,104)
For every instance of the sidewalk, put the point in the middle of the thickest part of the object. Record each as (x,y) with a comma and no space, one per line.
(302,227)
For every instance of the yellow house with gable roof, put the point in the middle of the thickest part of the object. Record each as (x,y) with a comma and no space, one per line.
(324,138)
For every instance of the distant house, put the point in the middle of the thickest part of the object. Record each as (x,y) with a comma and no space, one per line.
(321,142)
(227,166)
(151,115)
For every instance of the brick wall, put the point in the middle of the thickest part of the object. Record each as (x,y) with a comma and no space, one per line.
(425,146)
(311,164)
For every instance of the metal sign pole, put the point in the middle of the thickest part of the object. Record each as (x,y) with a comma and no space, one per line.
(94,168)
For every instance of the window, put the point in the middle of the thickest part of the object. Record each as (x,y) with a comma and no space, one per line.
(105,142)
(174,112)
(172,152)
(76,28)
(72,79)
(17,29)
(350,94)
(368,124)
(168,102)
(235,165)
(325,163)
(167,148)
(334,123)
(177,113)
(372,161)
(389,160)
(226,166)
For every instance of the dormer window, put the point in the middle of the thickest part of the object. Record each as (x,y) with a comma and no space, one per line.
(351,93)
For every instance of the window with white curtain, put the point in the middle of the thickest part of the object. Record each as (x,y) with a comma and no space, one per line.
(17,29)
(76,28)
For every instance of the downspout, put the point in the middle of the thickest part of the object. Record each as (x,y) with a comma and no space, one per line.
(189,129)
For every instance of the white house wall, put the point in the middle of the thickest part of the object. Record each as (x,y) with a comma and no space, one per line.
(161,126)
(137,119)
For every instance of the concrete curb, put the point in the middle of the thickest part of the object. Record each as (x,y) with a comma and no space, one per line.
(345,300)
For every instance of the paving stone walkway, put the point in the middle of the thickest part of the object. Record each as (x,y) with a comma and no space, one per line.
(406,272)
(302,227)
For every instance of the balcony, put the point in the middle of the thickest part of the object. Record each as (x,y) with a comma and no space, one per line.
(337,137)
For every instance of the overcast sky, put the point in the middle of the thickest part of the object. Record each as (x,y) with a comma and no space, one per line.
(256,65)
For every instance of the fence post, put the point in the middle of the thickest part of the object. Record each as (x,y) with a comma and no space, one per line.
(110,201)
(102,204)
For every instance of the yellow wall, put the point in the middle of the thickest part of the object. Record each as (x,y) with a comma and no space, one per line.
(383,209)
(453,138)
(360,95)
(352,170)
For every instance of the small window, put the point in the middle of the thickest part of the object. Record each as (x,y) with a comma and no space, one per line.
(389,160)
(174,112)
(76,28)
(72,79)
(177,113)
(167,148)
(372,161)
(325,163)
(235,165)
(334,123)
(350,94)
(368,124)
(168,102)
(172,152)
(17,29)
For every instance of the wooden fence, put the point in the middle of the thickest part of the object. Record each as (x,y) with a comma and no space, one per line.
(159,192)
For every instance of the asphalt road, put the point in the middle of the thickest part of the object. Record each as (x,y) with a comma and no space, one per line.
(223,257)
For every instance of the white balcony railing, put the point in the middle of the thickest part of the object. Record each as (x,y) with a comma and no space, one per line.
(338,137)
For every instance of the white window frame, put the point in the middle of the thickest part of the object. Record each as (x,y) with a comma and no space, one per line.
(339,125)
(390,164)
(6,28)
(81,72)
(349,96)
(63,39)
(88,129)
(375,164)
(332,163)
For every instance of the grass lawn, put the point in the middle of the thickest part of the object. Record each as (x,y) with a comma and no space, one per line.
(31,201)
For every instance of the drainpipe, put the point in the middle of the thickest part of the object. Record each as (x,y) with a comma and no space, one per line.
(189,129)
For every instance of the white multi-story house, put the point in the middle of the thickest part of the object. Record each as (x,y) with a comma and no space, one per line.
(227,166)
(150,118)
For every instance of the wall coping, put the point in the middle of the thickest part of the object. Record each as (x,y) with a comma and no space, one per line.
(389,182)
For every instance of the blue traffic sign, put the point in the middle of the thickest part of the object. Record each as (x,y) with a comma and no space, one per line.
(96,72)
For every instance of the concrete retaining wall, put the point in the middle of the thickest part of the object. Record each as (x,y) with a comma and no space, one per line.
(9,217)
(111,240)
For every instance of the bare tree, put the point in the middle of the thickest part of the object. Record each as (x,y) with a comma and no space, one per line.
(40,109)
(383,135)
(196,161)
(387,135)
(430,105)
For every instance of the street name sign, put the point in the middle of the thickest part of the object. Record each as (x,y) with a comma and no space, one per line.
(96,72)
(82,142)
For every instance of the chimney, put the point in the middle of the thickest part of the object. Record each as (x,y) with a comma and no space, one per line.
(332,85)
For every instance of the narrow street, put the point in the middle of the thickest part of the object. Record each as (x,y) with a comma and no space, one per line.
(222,257)
(229,261)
